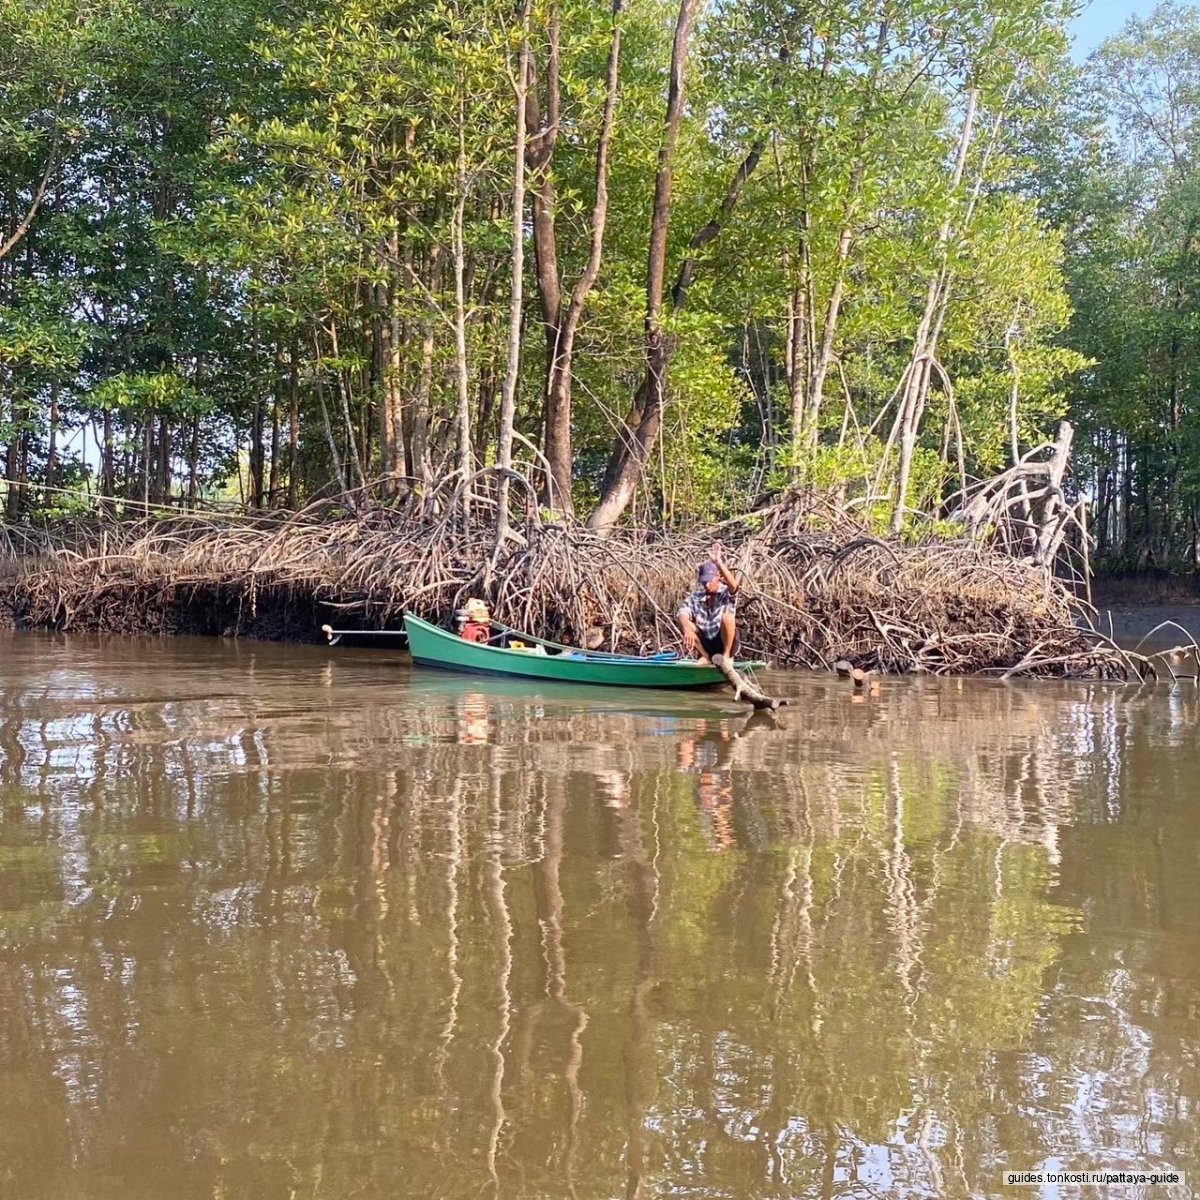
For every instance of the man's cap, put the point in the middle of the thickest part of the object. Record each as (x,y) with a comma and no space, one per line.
(708,572)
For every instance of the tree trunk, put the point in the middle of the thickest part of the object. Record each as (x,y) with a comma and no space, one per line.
(1127,544)
(330,440)
(52,449)
(796,361)
(461,377)
(194,463)
(344,393)
(820,368)
(294,423)
(632,447)
(561,323)
(276,422)
(1052,508)
(824,357)
(257,451)
(391,408)
(162,482)
(637,437)
(107,464)
(417,444)
(916,389)
(145,451)
(508,391)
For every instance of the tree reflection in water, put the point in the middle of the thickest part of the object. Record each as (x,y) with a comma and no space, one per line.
(368,937)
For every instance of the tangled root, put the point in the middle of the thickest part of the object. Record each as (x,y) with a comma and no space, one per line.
(817,586)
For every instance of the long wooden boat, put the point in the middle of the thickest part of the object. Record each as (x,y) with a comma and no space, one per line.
(434,647)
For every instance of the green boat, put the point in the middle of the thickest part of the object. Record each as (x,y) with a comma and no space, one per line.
(540,659)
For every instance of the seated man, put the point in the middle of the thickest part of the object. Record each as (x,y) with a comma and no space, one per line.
(707,615)
(475,622)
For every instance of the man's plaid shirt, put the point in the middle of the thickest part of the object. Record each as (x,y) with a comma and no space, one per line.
(706,609)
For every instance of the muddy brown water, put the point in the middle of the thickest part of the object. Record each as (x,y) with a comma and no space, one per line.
(285,922)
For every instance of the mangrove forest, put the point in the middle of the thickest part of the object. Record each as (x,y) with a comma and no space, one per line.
(905,265)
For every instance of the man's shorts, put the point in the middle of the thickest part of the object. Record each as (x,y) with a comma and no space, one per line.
(715,645)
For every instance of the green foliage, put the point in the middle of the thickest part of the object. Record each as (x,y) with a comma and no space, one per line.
(162,393)
(246,279)
(1118,175)
(41,339)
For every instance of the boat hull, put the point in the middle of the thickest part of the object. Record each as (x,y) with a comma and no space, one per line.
(434,647)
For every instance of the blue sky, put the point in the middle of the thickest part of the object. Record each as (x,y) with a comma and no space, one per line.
(1102,18)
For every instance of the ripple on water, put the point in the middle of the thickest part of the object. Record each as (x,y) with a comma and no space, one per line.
(275,921)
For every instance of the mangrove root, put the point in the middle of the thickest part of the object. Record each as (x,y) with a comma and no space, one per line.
(818,586)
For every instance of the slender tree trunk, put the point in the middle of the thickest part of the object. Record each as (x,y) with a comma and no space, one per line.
(461,376)
(635,439)
(543,124)
(1146,549)
(418,441)
(820,368)
(917,386)
(331,441)
(391,425)
(24,442)
(1025,508)
(795,364)
(640,431)
(824,357)
(343,382)
(1127,540)
(1103,502)
(508,392)
(145,451)
(52,448)
(561,324)
(365,445)
(257,452)
(194,463)
(294,423)
(276,422)
(163,472)
(1052,509)
(381,335)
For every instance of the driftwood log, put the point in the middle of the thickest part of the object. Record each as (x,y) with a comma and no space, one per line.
(742,687)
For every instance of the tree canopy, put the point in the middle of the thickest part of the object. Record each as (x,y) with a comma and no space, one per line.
(265,253)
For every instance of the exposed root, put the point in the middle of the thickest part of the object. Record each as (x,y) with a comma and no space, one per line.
(817,587)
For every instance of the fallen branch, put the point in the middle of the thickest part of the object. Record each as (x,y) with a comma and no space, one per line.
(742,687)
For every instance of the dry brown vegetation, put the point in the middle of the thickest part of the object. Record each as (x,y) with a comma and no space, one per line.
(818,587)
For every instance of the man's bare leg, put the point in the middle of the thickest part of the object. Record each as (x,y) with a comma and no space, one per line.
(728,634)
(691,639)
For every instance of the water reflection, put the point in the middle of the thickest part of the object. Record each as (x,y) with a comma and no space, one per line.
(279,924)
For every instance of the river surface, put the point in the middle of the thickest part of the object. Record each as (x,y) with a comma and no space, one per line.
(285,922)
